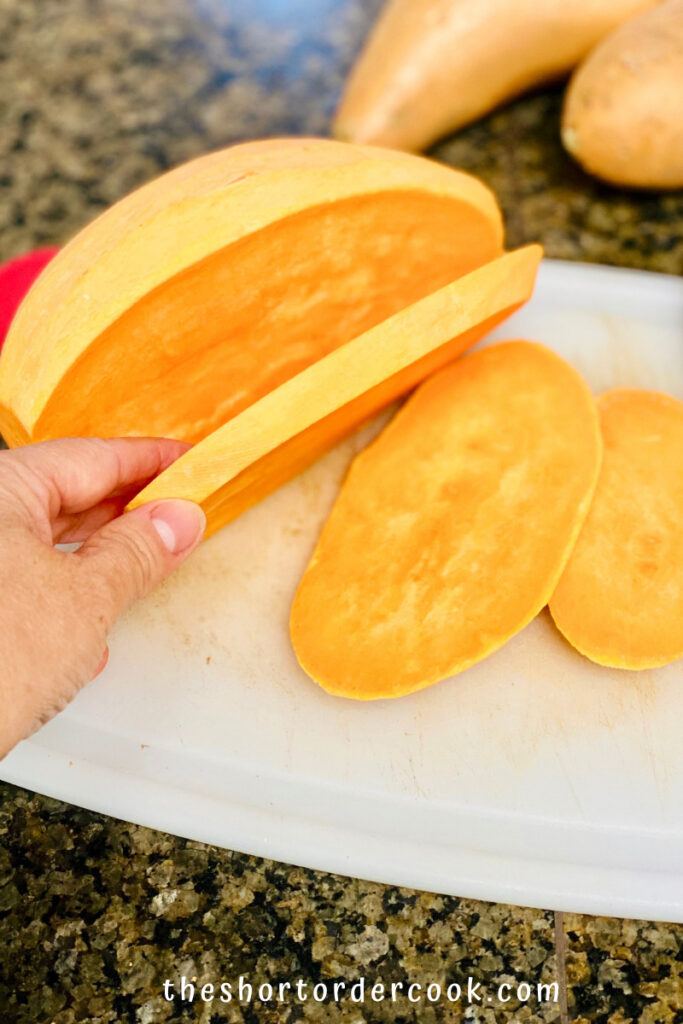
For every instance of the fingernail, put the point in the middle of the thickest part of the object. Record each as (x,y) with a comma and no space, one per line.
(180,524)
(103,662)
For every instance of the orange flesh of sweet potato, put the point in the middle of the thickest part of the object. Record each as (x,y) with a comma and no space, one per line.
(211,341)
(276,437)
(620,598)
(452,528)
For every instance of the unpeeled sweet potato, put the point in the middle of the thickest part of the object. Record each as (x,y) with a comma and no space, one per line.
(431,66)
(622,113)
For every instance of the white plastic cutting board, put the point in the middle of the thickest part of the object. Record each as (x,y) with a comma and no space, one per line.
(533,778)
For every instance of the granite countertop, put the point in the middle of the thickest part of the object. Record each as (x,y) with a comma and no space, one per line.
(96,97)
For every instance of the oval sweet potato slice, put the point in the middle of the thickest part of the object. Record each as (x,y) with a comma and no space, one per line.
(452,528)
(620,598)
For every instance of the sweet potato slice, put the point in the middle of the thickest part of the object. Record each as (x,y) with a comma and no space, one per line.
(196,295)
(620,598)
(286,430)
(452,528)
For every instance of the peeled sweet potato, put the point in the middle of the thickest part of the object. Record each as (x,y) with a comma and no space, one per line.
(431,66)
(622,113)
(204,290)
(294,424)
(620,598)
(452,529)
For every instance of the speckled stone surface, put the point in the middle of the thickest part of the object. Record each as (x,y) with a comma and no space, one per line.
(96,914)
(96,97)
(547,198)
(621,971)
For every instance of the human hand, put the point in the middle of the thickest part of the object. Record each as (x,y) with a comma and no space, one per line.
(58,607)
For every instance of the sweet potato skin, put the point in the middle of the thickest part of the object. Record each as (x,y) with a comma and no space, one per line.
(620,599)
(452,529)
(622,111)
(431,66)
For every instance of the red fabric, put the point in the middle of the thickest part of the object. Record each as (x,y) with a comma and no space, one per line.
(16,277)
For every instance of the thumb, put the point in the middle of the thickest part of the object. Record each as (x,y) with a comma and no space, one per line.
(129,556)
